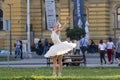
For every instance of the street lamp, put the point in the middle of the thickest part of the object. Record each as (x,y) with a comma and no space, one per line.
(10,7)
(114,29)
(28,29)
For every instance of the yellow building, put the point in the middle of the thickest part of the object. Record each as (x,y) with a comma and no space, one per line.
(103,16)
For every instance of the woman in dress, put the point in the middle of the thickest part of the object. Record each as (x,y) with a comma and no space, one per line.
(59,48)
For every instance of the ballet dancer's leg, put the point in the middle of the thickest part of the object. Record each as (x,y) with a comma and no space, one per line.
(54,65)
(59,65)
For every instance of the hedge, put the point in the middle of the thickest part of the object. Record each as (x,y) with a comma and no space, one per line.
(117,77)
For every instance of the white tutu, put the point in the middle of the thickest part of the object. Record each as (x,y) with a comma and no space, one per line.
(59,48)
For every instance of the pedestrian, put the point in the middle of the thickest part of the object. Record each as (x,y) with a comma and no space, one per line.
(110,50)
(77,49)
(84,45)
(102,47)
(92,47)
(21,46)
(59,48)
(40,48)
(118,51)
(17,46)
(46,45)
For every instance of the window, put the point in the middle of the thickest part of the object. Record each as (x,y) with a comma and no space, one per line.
(1,19)
(118,17)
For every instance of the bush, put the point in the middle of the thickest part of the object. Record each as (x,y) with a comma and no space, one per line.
(75,33)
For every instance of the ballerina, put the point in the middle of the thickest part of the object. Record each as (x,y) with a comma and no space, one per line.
(59,48)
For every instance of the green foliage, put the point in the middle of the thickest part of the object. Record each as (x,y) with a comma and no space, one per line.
(75,33)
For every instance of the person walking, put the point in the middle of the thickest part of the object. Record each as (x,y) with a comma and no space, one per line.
(102,47)
(110,50)
(118,51)
(21,46)
(46,46)
(59,48)
(18,51)
(84,45)
(77,49)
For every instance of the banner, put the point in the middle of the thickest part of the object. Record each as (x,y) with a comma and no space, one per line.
(50,13)
(78,15)
(6,25)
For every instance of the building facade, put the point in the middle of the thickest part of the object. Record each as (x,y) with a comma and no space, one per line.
(103,17)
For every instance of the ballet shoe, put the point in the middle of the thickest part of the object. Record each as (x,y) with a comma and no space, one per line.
(54,74)
(59,74)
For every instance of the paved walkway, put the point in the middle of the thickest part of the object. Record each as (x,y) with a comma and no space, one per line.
(93,60)
(39,61)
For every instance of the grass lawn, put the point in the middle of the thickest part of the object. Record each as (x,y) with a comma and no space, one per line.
(69,73)
(10,59)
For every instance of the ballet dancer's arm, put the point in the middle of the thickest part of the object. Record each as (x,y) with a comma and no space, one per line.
(67,20)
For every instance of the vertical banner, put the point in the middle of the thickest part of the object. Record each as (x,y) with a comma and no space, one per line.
(78,14)
(50,13)
(6,25)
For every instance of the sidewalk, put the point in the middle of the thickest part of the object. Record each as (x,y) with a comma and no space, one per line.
(40,61)
(93,60)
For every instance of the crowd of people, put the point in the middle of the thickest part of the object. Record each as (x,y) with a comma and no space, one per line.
(82,45)
(42,46)
(112,50)
(108,48)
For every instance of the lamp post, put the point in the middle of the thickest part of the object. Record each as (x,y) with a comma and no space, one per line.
(10,6)
(28,29)
(114,29)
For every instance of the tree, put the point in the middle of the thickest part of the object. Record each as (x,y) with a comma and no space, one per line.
(75,33)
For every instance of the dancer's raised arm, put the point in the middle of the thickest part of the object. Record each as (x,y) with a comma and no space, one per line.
(64,25)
